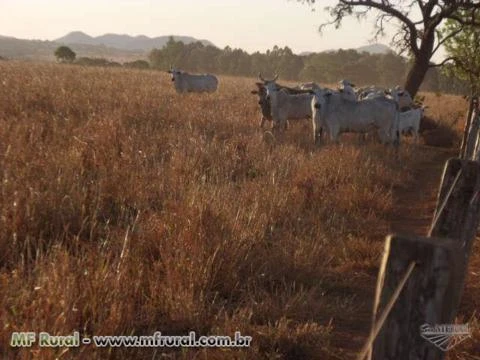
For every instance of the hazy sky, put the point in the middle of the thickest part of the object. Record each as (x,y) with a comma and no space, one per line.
(248,24)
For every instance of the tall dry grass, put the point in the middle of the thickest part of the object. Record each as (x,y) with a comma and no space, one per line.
(126,209)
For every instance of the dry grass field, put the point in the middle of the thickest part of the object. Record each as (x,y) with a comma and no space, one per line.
(127,209)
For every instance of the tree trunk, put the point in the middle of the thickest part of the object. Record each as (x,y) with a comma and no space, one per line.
(422,61)
(416,74)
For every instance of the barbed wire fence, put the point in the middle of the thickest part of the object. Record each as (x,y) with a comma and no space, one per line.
(421,279)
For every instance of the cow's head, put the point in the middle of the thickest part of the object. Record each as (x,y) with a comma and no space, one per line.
(270,85)
(261,92)
(174,72)
(344,83)
(320,97)
(398,91)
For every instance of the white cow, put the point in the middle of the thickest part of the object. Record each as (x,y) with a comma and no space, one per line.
(307,86)
(347,91)
(286,106)
(371,92)
(286,103)
(410,121)
(337,115)
(402,97)
(185,82)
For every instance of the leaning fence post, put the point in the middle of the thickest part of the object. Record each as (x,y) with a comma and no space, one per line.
(457,213)
(466,128)
(476,151)
(432,294)
(424,300)
(471,136)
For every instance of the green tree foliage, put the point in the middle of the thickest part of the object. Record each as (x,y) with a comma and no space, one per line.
(65,54)
(417,26)
(464,50)
(326,68)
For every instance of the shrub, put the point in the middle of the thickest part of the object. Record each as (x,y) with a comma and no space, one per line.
(137,64)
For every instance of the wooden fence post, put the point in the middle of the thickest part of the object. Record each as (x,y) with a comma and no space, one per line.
(433,292)
(460,216)
(476,117)
(472,133)
(466,128)
(425,299)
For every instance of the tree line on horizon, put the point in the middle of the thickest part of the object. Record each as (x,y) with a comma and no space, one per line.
(361,68)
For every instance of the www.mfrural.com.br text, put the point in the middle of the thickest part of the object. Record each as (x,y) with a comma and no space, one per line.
(44,339)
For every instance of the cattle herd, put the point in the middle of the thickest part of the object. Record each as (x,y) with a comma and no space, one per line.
(389,112)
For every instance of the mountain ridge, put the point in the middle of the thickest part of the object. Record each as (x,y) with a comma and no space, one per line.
(13,48)
(125,41)
(376,48)
(118,47)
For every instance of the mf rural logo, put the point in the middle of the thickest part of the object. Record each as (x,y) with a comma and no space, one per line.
(445,336)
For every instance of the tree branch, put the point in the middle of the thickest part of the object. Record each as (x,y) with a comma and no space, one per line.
(449,36)
(429,8)
(386,7)
(432,65)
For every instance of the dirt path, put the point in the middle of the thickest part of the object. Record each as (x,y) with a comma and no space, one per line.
(414,206)
(416,203)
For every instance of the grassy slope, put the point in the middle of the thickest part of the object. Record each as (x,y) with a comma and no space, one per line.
(127,209)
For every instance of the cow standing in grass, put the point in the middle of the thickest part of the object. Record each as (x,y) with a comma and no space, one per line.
(409,121)
(285,103)
(185,82)
(338,115)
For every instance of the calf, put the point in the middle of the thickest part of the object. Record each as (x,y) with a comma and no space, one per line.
(410,121)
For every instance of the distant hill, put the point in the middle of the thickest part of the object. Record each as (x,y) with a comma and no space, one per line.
(110,46)
(375,49)
(14,48)
(371,49)
(76,37)
(125,42)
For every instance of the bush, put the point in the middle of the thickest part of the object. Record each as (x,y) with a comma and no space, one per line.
(86,61)
(137,64)
(438,134)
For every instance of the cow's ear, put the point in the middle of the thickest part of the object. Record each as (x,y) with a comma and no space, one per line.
(254,92)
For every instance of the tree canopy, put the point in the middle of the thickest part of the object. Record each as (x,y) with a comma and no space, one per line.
(419,23)
(65,54)
(464,50)
(326,68)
